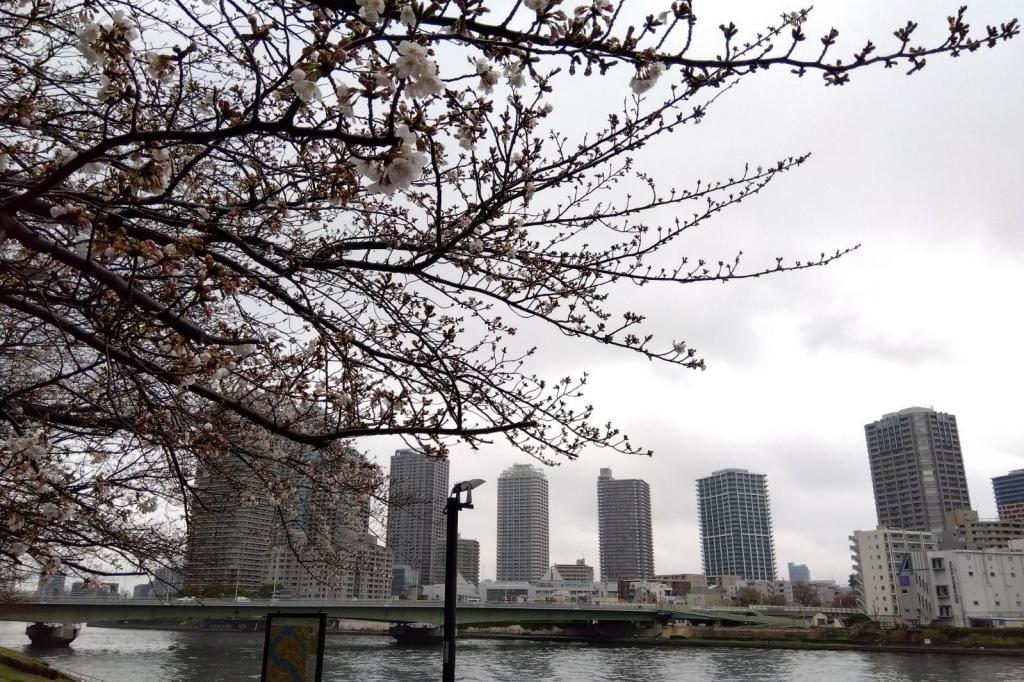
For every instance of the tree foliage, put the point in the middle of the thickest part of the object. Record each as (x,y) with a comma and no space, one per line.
(224,223)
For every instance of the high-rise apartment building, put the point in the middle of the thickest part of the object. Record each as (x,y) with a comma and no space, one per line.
(799,573)
(522,523)
(232,528)
(314,543)
(917,469)
(624,525)
(416,520)
(1009,490)
(736,525)
(468,555)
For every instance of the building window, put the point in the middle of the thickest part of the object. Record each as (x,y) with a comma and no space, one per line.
(942,590)
(975,603)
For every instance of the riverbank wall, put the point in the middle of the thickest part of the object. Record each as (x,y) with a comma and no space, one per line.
(17,667)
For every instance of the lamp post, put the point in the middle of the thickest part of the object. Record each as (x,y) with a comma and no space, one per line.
(451,509)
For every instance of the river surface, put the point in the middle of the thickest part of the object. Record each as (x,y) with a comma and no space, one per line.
(149,655)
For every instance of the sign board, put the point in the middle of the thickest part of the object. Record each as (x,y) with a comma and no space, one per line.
(293,650)
(905,569)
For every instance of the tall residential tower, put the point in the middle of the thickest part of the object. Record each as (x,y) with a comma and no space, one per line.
(917,469)
(624,525)
(522,523)
(1009,490)
(736,525)
(416,522)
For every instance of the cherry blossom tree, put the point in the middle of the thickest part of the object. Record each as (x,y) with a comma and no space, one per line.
(230,224)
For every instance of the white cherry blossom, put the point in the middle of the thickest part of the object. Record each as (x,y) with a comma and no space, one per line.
(371,10)
(646,77)
(488,75)
(415,65)
(160,67)
(408,16)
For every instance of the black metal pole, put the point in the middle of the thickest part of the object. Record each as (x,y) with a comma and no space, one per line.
(450,587)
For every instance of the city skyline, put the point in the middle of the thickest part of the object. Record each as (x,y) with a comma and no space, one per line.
(559,555)
(798,364)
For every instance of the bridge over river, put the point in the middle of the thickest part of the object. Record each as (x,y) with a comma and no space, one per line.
(81,610)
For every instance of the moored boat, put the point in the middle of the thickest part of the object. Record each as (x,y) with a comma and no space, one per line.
(52,635)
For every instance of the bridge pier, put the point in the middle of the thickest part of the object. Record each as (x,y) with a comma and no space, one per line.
(626,630)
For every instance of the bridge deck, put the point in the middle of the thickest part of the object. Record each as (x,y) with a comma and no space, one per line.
(84,610)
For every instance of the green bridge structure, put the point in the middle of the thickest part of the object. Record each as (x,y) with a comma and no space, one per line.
(614,619)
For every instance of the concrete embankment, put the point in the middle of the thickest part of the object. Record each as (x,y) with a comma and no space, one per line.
(17,667)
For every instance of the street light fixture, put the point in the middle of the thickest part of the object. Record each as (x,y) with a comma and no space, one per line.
(451,509)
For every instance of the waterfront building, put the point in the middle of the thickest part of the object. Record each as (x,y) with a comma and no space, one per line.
(964,530)
(577,572)
(231,530)
(545,590)
(143,591)
(404,580)
(878,557)
(166,583)
(624,525)
(917,469)
(736,525)
(416,520)
(522,537)
(799,573)
(682,584)
(464,591)
(469,560)
(49,588)
(363,571)
(965,588)
(1009,492)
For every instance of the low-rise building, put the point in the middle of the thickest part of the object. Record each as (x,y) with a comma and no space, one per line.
(643,591)
(366,573)
(577,572)
(404,580)
(682,584)
(543,590)
(964,530)
(776,592)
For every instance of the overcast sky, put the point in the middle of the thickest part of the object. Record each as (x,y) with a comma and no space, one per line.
(925,173)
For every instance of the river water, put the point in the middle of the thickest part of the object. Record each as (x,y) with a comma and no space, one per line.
(148,655)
